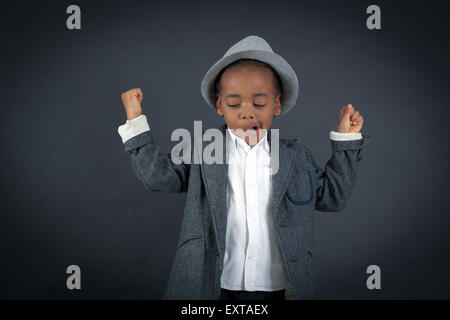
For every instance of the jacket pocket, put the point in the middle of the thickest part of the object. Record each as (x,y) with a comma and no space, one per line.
(300,190)
(184,242)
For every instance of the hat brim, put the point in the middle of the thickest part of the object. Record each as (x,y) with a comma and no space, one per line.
(285,71)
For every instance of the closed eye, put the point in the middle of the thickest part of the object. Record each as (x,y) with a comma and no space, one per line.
(256,105)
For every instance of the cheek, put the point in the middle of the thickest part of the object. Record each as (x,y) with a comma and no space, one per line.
(229,112)
(268,112)
(267,116)
(274,111)
(229,117)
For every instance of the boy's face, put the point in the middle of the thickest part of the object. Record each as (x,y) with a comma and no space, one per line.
(248,100)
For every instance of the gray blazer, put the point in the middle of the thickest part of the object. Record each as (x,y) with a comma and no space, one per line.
(299,187)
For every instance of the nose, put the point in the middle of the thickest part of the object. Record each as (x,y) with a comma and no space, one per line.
(247,112)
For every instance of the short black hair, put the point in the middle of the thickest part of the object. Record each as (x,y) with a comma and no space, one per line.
(254,63)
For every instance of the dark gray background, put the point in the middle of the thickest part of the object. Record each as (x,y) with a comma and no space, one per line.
(68,194)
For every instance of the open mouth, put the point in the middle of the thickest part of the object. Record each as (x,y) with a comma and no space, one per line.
(253,130)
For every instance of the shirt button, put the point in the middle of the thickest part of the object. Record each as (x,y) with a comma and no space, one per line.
(217,253)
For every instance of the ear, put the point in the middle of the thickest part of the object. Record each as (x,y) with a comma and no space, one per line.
(277,109)
(219,105)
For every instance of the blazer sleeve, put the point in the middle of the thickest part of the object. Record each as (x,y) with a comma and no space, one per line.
(335,182)
(153,168)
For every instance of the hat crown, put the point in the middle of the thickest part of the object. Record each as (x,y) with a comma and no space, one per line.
(249,43)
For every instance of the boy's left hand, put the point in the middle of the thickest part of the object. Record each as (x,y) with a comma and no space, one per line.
(350,120)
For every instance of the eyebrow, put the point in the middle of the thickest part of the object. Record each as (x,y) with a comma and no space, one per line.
(233,95)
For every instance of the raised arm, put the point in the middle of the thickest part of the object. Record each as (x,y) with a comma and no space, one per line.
(335,182)
(153,168)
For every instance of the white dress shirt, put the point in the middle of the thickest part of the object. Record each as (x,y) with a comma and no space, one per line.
(252,260)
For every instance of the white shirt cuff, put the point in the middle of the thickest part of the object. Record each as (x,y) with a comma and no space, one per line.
(345,136)
(133,127)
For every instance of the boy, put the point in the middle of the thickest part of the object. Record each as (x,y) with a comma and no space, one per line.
(247,234)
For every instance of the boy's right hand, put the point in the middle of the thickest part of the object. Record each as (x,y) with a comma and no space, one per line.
(132,102)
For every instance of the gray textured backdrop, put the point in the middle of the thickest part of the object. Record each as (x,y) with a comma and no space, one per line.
(68,194)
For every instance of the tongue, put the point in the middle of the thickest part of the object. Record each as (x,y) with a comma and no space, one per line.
(251,131)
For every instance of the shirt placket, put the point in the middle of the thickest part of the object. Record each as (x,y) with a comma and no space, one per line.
(251,199)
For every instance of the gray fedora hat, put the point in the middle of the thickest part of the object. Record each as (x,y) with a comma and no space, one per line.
(254,47)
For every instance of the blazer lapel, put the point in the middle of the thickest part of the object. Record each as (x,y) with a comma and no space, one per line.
(216,180)
(280,180)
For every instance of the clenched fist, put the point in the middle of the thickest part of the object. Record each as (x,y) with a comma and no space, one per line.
(350,120)
(132,102)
